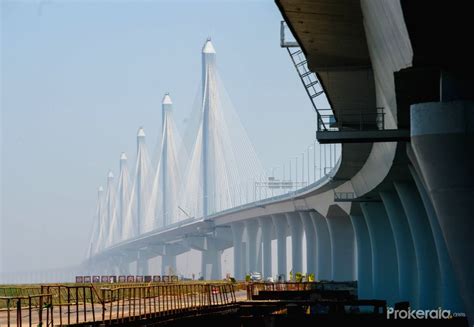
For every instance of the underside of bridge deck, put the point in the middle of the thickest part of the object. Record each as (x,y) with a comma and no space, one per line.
(412,59)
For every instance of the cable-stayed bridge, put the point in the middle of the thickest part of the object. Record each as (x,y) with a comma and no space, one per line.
(185,199)
(371,212)
(390,206)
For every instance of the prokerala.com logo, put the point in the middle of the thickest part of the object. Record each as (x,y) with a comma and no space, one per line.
(410,313)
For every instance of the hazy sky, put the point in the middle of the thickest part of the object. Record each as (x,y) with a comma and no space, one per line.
(79,78)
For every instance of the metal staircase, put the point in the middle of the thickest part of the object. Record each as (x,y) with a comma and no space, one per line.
(349,126)
(308,78)
(310,81)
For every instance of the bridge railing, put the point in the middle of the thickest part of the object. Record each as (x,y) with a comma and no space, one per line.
(124,304)
(75,303)
(79,304)
(348,288)
(351,121)
(30,310)
(12,291)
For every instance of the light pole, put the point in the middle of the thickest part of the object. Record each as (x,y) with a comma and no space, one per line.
(273,170)
(296,173)
(302,169)
(248,191)
(274,179)
(307,160)
(254,189)
(240,193)
(314,159)
(265,182)
(289,171)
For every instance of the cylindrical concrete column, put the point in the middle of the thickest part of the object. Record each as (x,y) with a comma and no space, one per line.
(168,265)
(245,262)
(259,250)
(124,266)
(142,263)
(296,230)
(251,227)
(427,259)
(266,228)
(113,265)
(408,278)
(442,138)
(384,253)
(109,266)
(281,225)
(450,297)
(323,247)
(311,251)
(364,257)
(211,264)
(342,244)
(237,235)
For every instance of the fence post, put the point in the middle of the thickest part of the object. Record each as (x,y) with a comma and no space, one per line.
(155,288)
(60,306)
(40,312)
(91,290)
(84,297)
(8,312)
(221,295)
(50,310)
(103,303)
(209,294)
(118,304)
(68,305)
(134,300)
(77,304)
(29,309)
(18,312)
(111,302)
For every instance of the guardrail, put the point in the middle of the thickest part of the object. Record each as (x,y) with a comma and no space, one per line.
(26,309)
(7,291)
(75,304)
(344,196)
(148,302)
(68,305)
(351,121)
(254,288)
